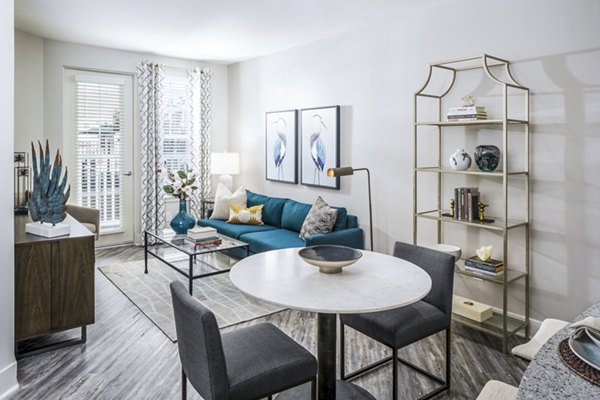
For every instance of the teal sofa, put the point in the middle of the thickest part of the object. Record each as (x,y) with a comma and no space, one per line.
(283,219)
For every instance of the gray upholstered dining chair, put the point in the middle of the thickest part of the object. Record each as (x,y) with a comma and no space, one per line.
(244,364)
(402,326)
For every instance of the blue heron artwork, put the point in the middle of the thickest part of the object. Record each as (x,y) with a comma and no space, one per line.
(280,146)
(320,145)
(318,152)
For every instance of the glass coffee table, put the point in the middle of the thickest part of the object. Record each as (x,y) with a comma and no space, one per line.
(170,247)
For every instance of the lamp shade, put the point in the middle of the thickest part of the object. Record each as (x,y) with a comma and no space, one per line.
(343,171)
(225,163)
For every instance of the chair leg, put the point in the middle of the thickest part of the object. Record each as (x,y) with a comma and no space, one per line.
(448,357)
(395,374)
(183,385)
(342,358)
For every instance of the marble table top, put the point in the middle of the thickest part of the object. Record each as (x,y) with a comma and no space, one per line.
(376,282)
(548,378)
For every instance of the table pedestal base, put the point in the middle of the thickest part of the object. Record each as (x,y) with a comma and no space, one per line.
(344,391)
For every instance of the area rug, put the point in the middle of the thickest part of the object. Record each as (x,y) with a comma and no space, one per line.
(151,294)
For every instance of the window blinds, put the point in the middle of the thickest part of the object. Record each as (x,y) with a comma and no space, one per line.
(99,113)
(176,122)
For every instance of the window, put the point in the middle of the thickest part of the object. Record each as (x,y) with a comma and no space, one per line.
(99,153)
(176,121)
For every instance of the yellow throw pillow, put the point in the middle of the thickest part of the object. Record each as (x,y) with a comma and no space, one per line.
(245,216)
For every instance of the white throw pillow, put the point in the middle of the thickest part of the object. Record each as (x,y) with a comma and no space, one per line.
(223,198)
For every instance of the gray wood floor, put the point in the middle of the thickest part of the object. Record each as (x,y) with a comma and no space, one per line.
(128,357)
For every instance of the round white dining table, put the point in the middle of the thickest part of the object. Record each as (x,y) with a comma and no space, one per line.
(376,282)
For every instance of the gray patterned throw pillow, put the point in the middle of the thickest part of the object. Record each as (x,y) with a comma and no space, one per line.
(320,219)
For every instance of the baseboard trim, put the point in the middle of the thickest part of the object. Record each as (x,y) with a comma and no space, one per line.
(8,381)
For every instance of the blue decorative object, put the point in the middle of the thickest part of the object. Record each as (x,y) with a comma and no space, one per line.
(183,220)
(47,203)
(487,157)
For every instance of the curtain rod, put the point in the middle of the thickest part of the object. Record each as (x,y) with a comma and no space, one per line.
(180,67)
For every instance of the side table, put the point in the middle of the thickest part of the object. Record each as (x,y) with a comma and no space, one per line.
(54,284)
(205,206)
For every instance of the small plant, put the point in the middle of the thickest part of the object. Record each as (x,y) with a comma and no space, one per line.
(181,183)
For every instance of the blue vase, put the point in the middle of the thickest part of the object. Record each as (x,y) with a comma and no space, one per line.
(183,220)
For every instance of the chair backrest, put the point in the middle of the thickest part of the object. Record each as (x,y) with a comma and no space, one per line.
(439,266)
(200,346)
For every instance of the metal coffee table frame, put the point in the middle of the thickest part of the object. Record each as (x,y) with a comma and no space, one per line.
(179,242)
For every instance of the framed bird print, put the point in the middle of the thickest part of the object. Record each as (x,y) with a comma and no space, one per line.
(281,130)
(320,143)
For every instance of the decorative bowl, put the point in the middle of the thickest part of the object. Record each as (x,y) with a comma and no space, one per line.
(329,258)
(448,249)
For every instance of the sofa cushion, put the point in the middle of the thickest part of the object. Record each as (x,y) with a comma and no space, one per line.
(351,221)
(234,231)
(294,214)
(320,219)
(272,240)
(273,207)
(89,227)
(342,219)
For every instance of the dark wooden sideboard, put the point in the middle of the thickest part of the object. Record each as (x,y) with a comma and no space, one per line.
(54,282)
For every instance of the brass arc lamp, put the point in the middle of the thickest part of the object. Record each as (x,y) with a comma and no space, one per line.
(345,171)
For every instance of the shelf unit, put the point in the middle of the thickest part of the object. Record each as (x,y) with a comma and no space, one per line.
(501,324)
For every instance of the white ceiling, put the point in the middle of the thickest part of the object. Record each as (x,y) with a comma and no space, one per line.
(222,31)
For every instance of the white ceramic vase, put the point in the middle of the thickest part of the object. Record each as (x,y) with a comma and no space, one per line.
(460,160)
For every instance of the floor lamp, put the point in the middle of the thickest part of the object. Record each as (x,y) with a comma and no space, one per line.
(345,171)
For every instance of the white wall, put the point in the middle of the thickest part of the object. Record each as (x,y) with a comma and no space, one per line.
(8,366)
(29,90)
(373,74)
(39,85)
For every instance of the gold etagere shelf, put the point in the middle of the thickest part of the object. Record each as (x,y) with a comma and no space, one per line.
(501,324)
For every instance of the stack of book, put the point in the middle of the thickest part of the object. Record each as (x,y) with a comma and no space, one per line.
(468,113)
(203,236)
(466,201)
(488,267)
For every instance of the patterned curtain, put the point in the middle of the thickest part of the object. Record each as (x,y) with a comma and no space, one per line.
(150,80)
(201,121)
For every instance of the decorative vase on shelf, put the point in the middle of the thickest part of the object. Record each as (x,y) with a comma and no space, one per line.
(183,220)
(487,157)
(460,160)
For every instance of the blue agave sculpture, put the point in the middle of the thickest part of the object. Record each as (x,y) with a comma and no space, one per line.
(47,203)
